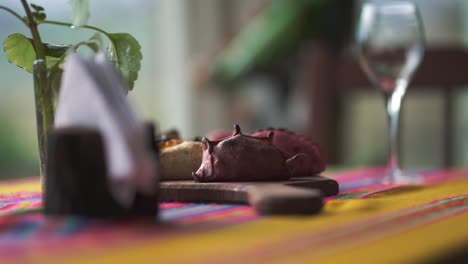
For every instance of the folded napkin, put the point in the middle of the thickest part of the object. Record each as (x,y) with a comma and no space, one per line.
(92,95)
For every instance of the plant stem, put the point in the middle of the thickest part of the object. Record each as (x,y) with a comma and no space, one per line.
(51,22)
(40,53)
(14,14)
(45,111)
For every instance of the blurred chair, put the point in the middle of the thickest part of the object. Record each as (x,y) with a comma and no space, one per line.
(441,68)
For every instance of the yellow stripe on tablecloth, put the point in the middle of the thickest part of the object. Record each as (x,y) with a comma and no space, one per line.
(21,186)
(284,239)
(414,246)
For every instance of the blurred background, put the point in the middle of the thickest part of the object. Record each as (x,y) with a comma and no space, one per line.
(184,44)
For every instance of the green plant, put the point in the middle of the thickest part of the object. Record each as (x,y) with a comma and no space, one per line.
(44,60)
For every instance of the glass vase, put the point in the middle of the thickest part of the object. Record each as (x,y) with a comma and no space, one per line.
(45,110)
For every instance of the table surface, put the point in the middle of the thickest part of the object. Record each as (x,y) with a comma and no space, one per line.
(366,222)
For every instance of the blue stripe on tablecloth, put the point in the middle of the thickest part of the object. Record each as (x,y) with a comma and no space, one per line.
(375,179)
(192,210)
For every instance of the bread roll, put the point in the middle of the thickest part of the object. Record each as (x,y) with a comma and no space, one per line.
(178,161)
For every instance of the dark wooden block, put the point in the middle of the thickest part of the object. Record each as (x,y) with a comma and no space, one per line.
(77,183)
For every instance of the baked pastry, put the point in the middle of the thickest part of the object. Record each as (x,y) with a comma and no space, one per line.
(179,159)
(247,158)
(294,143)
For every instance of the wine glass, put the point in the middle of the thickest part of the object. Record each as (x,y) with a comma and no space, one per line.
(390,46)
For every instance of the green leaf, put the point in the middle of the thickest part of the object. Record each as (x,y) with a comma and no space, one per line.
(24,54)
(56,51)
(126,54)
(52,61)
(79,12)
(38,13)
(20,51)
(37,7)
(39,16)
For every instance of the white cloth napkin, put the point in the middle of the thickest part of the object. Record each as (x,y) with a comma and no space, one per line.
(92,95)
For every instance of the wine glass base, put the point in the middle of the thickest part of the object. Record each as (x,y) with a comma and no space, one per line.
(402,178)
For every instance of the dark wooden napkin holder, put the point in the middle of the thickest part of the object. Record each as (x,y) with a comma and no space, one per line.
(77,183)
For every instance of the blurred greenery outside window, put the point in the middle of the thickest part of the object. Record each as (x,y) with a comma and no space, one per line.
(446,23)
(18,150)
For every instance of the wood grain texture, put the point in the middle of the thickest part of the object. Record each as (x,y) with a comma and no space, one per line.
(295,196)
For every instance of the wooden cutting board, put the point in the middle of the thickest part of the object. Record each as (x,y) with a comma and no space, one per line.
(295,196)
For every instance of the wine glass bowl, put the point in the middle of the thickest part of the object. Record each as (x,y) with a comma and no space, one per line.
(390,47)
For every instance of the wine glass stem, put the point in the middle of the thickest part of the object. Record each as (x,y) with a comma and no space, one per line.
(393,103)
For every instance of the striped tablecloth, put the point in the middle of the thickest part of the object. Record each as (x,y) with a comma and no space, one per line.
(365,223)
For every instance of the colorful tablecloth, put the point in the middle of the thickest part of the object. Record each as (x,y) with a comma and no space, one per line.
(365,223)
